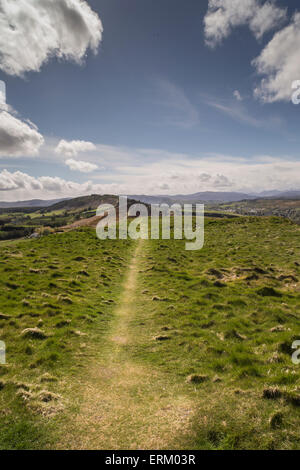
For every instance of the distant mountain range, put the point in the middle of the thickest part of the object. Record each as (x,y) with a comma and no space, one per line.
(201,197)
(31,203)
(286,195)
(215,197)
(207,196)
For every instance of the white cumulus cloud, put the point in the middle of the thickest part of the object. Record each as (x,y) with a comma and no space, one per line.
(18,138)
(224,15)
(74,147)
(166,172)
(83,167)
(279,62)
(33,31)
(18,180)
(28,185)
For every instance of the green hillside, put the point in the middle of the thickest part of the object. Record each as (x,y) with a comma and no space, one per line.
(196,344)
(87,202)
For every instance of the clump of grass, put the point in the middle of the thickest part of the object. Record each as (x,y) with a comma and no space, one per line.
(46,396)
(46,377)
(33,333)
(83,273)
(161,338)
(276,420)
(197,379)
(4,317)
(64,299)
(268,292)
(24,395)
(272,393)
(276,358)
(63,323)
(293,398)
(277,329)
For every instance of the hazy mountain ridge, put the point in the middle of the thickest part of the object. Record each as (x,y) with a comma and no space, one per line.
(215,197)
(30,203)
(200,197)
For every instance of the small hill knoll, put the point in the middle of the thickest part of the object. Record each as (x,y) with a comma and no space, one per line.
(87,202)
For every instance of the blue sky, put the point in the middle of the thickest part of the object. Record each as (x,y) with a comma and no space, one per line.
(168,104)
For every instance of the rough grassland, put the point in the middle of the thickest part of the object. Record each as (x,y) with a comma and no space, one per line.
(65,288)
(146,345)
(224,319)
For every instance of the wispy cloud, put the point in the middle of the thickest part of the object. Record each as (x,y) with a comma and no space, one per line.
(237,95)
(238,111)
(179,110)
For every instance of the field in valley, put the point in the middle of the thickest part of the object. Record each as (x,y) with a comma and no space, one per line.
(143,345)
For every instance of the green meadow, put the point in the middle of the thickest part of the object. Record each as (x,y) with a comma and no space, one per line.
(57,297)
(161,347)
(223,319)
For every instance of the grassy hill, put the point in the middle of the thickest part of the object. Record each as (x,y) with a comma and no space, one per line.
(280,207)
(87,202)
(21,222)
(141,344)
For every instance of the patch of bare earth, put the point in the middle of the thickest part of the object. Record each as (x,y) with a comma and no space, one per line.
(128,405)
(90,222)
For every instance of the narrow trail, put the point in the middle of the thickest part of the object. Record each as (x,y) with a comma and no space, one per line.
(127,405)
